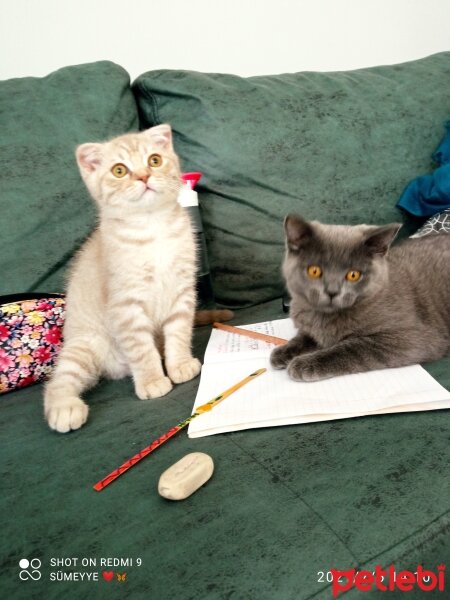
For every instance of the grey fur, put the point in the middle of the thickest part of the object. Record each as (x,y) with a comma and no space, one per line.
(397,314)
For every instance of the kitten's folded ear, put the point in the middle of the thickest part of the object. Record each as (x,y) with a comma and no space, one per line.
(298,232)
(379,239)
(89,156)
(161,135)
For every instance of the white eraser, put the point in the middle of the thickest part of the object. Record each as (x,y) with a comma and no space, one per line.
(185,477)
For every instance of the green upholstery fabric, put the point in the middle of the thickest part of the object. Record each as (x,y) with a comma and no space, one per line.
(338,147)
(45,209)
(283,504)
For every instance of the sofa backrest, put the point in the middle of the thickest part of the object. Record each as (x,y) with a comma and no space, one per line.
(46,212)
(338,147)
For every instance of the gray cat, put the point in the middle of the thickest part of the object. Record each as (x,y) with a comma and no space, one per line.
(359,305)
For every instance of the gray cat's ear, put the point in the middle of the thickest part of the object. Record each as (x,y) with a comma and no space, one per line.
(298,232)
(161,135)
(378,240)
(89,156)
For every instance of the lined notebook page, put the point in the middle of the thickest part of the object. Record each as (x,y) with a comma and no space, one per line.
(274,399)
(225,346)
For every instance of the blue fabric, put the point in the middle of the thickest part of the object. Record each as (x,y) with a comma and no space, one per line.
(442,153)
(430,194)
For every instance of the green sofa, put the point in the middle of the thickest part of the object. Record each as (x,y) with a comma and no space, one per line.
(285,504)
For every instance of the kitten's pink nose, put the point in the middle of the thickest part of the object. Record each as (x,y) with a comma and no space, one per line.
(143,176)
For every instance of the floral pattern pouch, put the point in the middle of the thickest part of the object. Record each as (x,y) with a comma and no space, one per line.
(30,338)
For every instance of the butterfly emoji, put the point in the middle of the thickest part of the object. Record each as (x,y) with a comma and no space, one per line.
(121,577)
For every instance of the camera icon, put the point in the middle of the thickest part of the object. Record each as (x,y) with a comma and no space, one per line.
(34,565)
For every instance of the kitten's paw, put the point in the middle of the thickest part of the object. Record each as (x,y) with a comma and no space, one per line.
(280,357)
(304,368)
(66,414)
(184,371)
(153,388)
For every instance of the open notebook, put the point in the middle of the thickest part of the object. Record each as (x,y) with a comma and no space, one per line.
(274,399)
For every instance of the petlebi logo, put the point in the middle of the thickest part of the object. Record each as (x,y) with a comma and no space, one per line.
(30,569)
(388,580)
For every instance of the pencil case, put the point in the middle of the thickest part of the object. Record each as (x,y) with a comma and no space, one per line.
(30,338)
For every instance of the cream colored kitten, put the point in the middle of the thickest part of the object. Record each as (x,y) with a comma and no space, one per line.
(131,294)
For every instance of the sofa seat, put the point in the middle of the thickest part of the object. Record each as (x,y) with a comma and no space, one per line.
(285,504)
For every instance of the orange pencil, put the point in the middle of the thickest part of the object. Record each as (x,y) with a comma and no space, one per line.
(252,334)
(100,485)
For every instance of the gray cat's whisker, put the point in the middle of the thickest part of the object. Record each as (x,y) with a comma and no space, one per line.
(359,304)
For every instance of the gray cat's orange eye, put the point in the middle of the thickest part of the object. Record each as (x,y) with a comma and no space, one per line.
(314,271)
(155,160)
(119,170)
(353,276)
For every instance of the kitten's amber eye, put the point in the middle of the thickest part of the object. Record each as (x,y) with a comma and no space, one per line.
(314,271)
(155,160)
(353,276)
(119,170)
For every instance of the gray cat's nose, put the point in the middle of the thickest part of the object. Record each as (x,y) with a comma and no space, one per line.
(332,293)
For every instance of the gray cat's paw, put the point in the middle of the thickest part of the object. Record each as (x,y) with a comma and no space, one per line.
(153,388)
(184,371)
(280,357)
(66,414)
(306,368)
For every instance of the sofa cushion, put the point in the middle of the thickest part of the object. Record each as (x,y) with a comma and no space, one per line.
(45,209)
(337,147)
(285,504)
